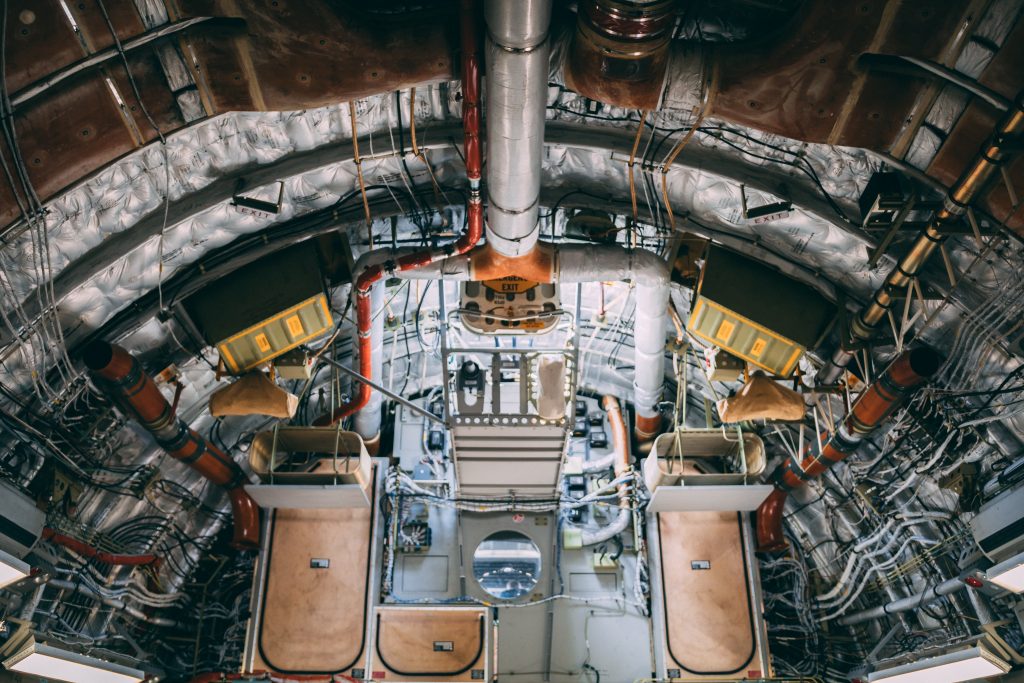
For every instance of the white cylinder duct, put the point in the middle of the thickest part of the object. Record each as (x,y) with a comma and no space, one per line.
(367,420)
(650,274)
(517,57)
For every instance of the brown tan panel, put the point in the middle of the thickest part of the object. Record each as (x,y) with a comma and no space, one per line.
(314,620)
(123,15)
(797,84)
(67,134)
(709,629)
(1004,73)
(154,92)
(39,42)
(406,637)
(333,53)
(8,205)
(918,28)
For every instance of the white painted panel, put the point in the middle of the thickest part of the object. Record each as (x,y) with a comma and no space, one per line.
(299,497)
(708,498)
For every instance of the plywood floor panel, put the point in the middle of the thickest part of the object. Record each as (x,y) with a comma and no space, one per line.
(314,620)
(707,611)
(406,637)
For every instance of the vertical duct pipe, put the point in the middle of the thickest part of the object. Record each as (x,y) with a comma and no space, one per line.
(121,377)
(392,263)
(876,404)
(964,191)
(518,59)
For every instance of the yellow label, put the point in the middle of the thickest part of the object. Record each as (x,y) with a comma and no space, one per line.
(510,285)
(262,342)
(725,330)
(758,348)
(295,326)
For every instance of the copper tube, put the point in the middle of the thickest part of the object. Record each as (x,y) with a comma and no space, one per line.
(474,217)
(878,402)
(620,51)
(965,190)
(619,434)
(86,550)
(647,427)
(120,375)
(537,266)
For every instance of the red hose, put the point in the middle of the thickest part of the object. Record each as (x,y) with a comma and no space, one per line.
(884,397)
(474,215)
(121,377)
(86,550)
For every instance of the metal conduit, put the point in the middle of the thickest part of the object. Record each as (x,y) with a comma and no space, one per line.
(965,190)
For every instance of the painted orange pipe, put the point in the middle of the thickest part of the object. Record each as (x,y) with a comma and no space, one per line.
(884,397)
(86,550)
(474,214)
(120,376)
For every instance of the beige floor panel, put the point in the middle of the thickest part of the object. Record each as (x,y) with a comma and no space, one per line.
(707,611)
(314,618)
(406,638)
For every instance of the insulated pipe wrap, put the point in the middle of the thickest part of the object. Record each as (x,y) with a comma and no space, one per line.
(518,56)
(878,402)
(120,375)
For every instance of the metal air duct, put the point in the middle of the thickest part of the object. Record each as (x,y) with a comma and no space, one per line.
(518,57)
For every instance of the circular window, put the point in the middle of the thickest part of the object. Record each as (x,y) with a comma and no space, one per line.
(506,564)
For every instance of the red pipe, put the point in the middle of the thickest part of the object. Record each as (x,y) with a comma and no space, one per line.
(121,377)
(474,218)
(86,550)
(890,391)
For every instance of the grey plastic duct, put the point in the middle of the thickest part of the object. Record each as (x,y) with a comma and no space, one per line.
(518,54)
(905,604)
(367,420)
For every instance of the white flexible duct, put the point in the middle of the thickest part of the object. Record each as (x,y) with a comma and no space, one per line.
(367,420)
(518,56)
(620,449)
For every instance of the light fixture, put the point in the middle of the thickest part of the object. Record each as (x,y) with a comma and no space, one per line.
(952,667)
(1008,574)
(12,569)
(46,661)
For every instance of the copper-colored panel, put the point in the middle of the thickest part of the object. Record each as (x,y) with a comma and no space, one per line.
(314,619)
(123,15)
(406,637)
(39,41)
(154,92)
(917,28)
(332,52)
(709,628)
(1004,73)
(796,85)
(69,133)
